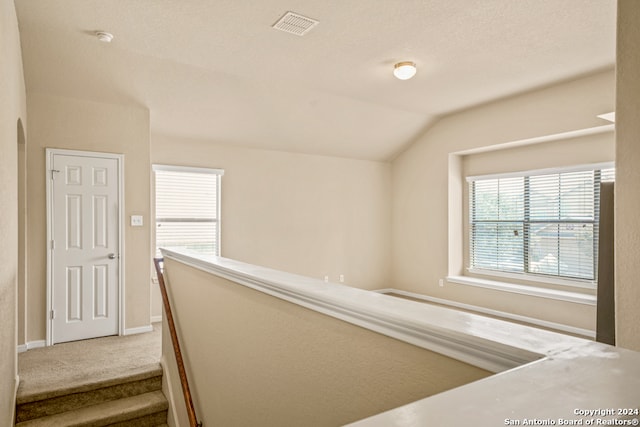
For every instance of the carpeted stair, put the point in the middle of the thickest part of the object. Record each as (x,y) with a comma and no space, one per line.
(130,399)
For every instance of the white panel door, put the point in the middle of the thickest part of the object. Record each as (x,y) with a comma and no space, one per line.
(84,251)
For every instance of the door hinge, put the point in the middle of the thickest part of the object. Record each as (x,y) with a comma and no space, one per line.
(54,171)
(53,314)
(53,244)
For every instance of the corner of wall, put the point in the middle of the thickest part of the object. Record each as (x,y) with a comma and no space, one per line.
(627,198)
(13,107)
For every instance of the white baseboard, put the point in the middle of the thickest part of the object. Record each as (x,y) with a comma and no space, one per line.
(586,333)
(31,345)
(138,330)
(36,344)
(156,319)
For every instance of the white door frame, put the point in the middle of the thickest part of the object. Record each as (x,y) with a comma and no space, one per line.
(50,152)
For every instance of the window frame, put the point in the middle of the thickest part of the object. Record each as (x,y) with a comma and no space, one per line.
(527,276)
(189,169)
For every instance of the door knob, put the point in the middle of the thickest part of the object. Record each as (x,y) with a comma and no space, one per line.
(112,256)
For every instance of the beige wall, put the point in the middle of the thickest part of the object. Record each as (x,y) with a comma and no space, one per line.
(573,151)
(311,215)
(420,176)
(74,124)
(627,197)
(293,366)
(12,110)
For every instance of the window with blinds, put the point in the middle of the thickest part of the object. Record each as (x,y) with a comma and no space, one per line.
(188,208)
(543,224)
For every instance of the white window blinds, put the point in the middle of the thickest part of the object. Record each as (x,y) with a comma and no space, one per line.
(188,208)
(537,223)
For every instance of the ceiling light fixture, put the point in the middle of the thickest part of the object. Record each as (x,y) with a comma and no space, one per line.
(103,36)
(405,70)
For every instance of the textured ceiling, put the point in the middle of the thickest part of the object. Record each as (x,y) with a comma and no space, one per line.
(216,70)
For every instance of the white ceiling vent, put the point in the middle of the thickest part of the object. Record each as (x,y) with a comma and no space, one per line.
(295,23)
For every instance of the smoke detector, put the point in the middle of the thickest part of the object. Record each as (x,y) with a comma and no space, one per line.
(294,23)
(104,37)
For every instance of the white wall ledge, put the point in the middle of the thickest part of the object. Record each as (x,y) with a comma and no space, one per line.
(580,332)
(568,296)
(487,343)
(554,373)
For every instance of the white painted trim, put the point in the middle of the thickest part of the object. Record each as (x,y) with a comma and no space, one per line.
(31,345)
(550,280)
(121,250)
(384,290)
(586,333)
(174,168)
(49,191)
(533,291)
(388,317)
(219,213)
(36,344)
(50,152)
(156,319)
(138,330)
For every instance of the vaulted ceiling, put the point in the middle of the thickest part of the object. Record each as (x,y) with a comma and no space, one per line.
(216,70)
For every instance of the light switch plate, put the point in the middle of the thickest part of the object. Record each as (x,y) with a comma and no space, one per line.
(136,221)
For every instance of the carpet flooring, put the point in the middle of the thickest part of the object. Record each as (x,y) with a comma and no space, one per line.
(75,365)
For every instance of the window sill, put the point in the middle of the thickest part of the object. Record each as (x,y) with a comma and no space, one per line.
(554,294)
(549,280)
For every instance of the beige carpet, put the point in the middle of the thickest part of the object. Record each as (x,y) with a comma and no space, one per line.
(76,364)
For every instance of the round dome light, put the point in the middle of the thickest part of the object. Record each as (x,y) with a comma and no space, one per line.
(405,70)
(105,37)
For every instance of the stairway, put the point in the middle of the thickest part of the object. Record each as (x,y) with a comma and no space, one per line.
(130,399)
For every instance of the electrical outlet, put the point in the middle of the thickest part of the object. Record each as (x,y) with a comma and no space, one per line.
(326,278)
(342,278)
(441,283)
